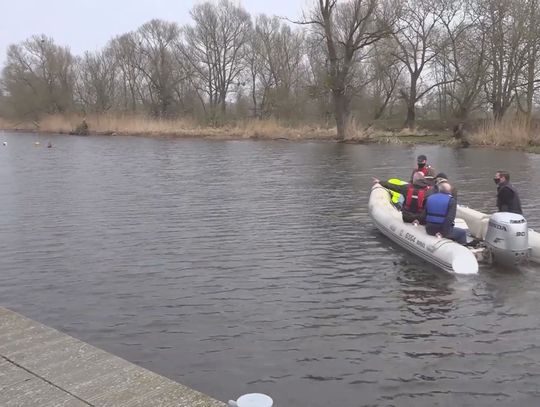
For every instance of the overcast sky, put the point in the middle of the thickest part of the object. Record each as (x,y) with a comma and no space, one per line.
(87,25)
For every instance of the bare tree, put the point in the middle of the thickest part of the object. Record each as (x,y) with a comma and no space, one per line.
(386,71)
(38,77)
(418,44)
(124,49)
(97,81)
(280,52)
(215,48)
(156,42)
(530,74)
(260,74)
(361,58)
(348,30)
(317,78)
(504,24)
(464,58)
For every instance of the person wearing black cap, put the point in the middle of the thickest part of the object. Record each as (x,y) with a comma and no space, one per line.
(441,176)
(439,179)
(422,166)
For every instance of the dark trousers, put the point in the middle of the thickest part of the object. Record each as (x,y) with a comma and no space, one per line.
(457,234)
(409,217)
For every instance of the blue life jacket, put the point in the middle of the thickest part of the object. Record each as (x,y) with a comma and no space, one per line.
(437,208)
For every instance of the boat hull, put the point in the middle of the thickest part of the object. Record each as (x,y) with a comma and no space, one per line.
(443,253)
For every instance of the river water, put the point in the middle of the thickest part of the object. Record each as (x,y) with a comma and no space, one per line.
(240,266)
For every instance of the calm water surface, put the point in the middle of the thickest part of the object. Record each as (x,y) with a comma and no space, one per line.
(236,267)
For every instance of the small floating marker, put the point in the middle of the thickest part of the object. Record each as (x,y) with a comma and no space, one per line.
(4,143)
(36,143)
(252,400)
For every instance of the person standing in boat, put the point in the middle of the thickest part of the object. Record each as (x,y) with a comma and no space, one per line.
(440,214)
(507,196)
(415,194)
(422,166)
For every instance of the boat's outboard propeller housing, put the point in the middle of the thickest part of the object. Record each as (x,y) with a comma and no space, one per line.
(507,238)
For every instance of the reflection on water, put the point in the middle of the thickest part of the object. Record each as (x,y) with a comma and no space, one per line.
(253,266)
(426,295)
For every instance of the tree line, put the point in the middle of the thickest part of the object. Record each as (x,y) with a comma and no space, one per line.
(369,60)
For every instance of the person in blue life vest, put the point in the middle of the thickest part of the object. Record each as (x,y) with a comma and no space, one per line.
(440,213)
(507,196)
(422,166)
(415,194)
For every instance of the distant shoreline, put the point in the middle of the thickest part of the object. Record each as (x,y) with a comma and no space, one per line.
(207,134)
(236,134)
(241,130)
(147,127)
(139,126)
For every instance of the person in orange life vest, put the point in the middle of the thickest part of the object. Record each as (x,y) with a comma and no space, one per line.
(422,166)
(415,194)
(440,213)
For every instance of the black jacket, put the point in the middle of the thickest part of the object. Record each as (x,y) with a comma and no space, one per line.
(508,199)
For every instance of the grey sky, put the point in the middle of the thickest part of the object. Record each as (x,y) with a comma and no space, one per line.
(87,25)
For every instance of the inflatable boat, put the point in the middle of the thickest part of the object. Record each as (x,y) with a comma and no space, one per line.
(504,237)
(443,253)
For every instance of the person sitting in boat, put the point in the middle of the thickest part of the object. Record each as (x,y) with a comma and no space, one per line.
(415,194)
(507,196)
(424,168)
(396,197)
(440,178)
(440,214)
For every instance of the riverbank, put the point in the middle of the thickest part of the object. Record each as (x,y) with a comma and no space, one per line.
(508,134)
(241,130)
(181,128)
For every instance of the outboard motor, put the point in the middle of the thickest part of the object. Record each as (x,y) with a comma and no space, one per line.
(507,238)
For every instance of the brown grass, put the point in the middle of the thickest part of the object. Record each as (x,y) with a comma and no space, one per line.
(514,132)
(140,125)
(6,124)
(357,132)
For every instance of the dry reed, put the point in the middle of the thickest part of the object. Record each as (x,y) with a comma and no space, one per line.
(140,125)
(357,131)
(514,132)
